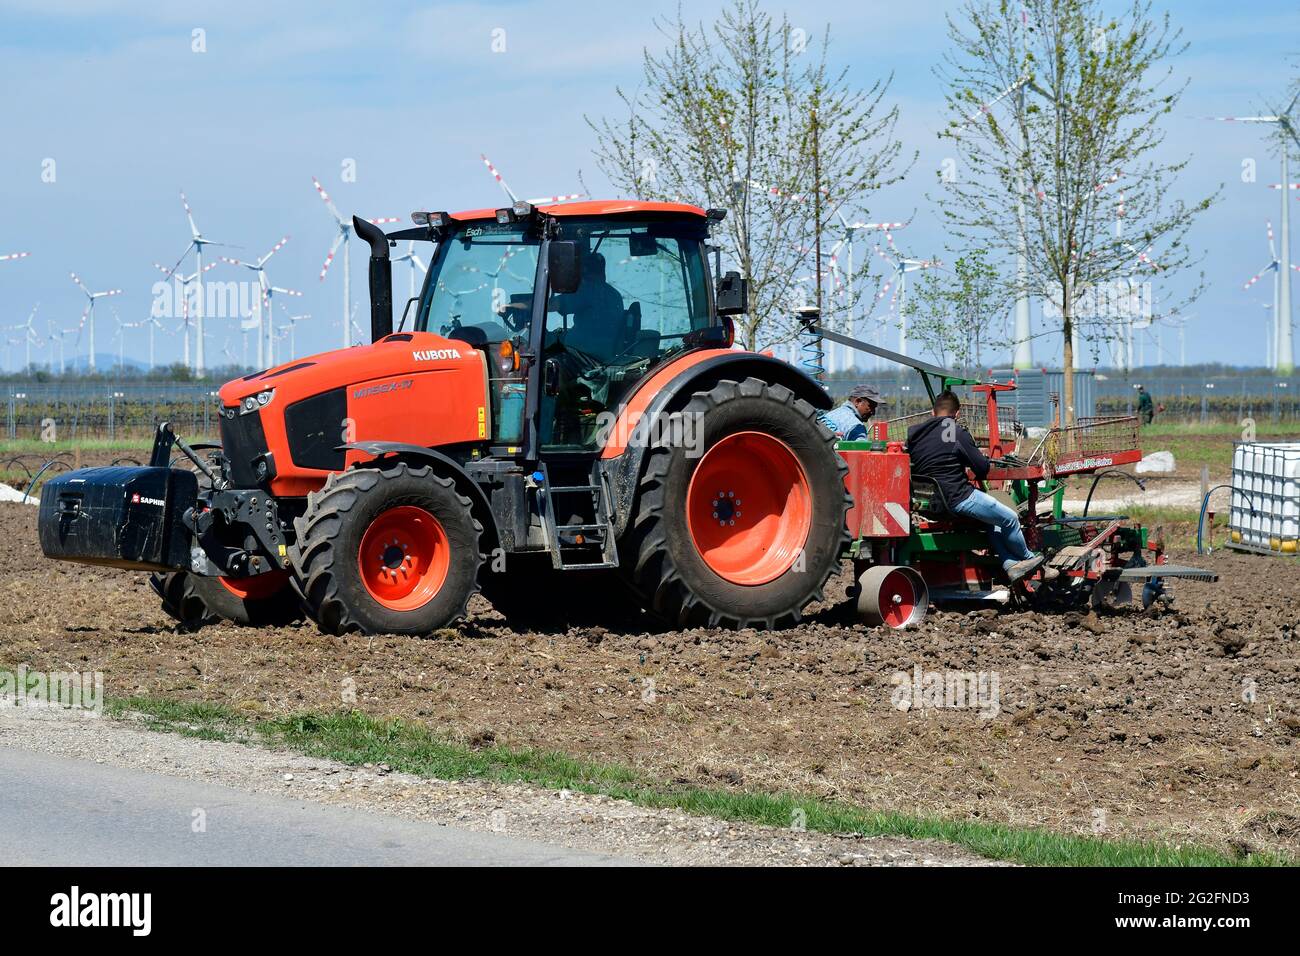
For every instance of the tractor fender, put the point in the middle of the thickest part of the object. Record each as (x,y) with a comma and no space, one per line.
(444,466)
(663,393)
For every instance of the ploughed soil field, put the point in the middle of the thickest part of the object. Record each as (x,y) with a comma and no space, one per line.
(1178,725)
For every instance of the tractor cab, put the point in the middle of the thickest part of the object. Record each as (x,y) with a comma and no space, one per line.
(573,306)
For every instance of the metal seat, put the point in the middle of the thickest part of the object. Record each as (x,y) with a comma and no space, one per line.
(928,499)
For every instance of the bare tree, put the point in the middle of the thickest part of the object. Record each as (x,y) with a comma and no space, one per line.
(724,118)
(1056,111)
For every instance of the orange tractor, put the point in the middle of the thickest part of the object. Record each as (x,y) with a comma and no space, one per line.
(560,418)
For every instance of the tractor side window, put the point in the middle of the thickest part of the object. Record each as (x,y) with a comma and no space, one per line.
(642,292)
(664,277)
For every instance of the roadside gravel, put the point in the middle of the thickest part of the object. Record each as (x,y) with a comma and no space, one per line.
(581,821)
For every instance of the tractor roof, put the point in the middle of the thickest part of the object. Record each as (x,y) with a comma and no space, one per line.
(595,207)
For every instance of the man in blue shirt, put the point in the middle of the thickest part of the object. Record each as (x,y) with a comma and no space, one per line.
(848,422)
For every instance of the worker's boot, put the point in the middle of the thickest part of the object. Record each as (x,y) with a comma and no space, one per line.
(1027,566)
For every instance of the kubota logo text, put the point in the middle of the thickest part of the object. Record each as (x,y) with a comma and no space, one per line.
(434,355)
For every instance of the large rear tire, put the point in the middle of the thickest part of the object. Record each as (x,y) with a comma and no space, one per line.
(193,600)
(743,529)
(387,552)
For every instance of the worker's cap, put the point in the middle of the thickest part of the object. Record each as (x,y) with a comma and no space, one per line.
(866,391)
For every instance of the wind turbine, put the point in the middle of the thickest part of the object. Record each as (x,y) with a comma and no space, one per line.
(89,314)
(14,255)
(29,335)
(55,338)
(850,287)
(901,266)
(153,325)
(540,201)
(291,330)
(416,264)
(1285,121)
(185,281)
(119,325)
(345,233)
(1274,266)
(197,242)
(266,332)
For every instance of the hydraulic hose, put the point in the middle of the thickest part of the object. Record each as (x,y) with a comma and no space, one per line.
(1102,474)
(1205,502)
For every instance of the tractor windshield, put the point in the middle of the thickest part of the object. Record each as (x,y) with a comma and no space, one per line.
(481,277)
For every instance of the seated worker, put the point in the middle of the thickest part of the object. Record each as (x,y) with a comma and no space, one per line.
(941,449)
(849,421)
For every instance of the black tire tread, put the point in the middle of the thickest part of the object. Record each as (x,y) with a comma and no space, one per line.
(193,603)
(315,553)
(653,572)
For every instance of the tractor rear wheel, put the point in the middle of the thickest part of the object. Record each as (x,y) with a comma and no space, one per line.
(387,552)
(265,600)
(744,528)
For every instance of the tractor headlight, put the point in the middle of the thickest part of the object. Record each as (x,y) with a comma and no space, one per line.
(253,402)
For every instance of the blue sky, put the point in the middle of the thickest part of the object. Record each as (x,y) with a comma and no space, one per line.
(414,93)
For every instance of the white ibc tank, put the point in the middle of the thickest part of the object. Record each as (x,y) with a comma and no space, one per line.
(1265,510)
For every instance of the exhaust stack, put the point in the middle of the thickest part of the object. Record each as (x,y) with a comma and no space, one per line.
(381,278)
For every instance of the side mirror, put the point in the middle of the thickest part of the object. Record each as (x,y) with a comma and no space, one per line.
(732,297)
(564,266)
(551,377)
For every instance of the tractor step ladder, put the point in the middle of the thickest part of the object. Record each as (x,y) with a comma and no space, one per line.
(601,533)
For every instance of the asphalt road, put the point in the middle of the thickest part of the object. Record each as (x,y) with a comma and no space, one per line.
(57,811)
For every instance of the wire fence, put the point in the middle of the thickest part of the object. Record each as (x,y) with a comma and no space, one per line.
(1209,408)
(69,413)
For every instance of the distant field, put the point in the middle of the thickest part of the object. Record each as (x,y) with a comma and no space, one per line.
(1195,446)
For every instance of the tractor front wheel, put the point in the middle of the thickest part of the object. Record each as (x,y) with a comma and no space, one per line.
(742,527)
(265,600)
(387,552)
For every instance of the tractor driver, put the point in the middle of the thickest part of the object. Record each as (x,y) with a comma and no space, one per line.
(942,449)
(585,346)
(599,320)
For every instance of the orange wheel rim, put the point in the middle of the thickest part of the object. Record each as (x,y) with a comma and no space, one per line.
(749,508)
(404,557)
(257,587)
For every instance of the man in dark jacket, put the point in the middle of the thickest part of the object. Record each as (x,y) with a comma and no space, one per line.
(941,449)
(1146,408)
